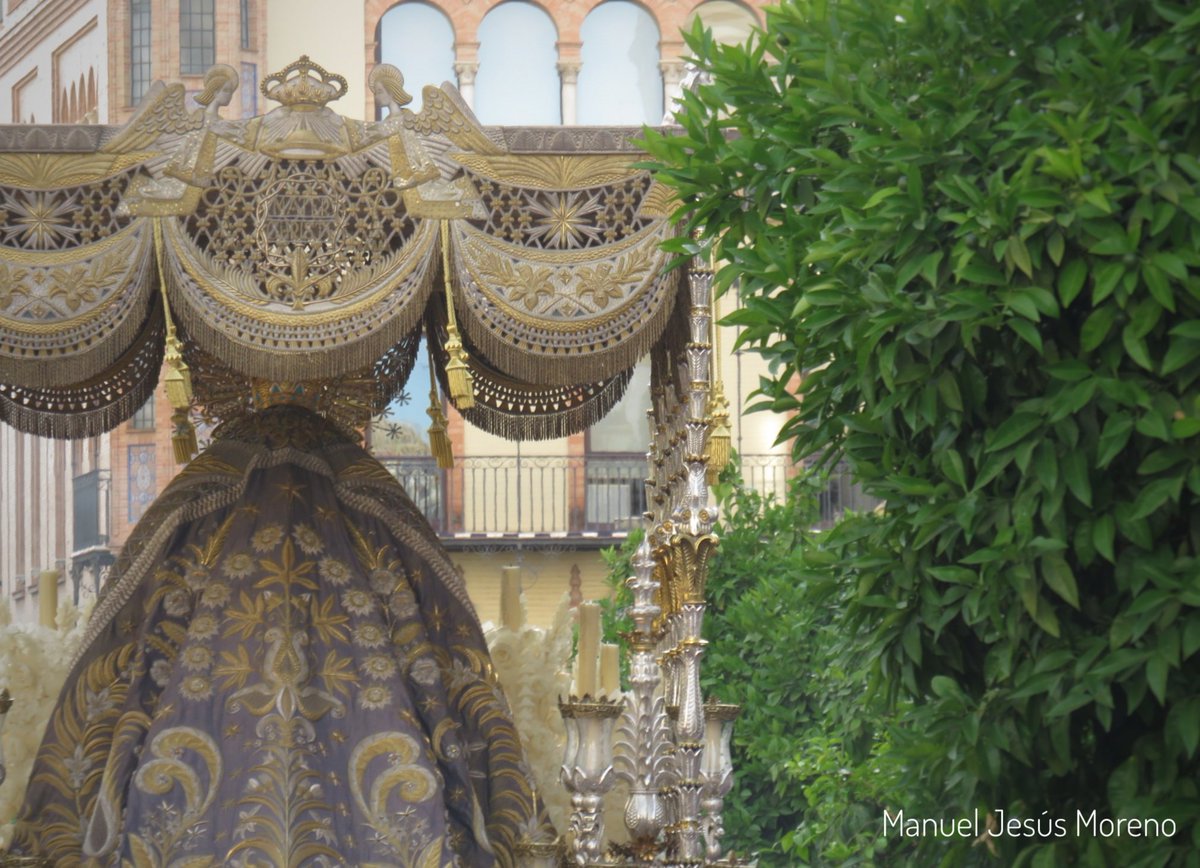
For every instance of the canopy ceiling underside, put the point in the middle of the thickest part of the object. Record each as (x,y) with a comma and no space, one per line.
(305,248)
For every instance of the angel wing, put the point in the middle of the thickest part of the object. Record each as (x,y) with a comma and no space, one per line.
(161,113)
(446,117)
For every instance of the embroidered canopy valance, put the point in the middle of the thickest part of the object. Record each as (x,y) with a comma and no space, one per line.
(300,254)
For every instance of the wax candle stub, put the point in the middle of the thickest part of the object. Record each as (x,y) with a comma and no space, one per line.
(511,614)
(610,669)
(589,648)
(48,598)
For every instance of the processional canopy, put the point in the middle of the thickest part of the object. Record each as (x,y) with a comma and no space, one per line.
(297,257)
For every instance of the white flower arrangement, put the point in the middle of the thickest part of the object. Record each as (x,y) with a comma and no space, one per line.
(34,661)
(533,665)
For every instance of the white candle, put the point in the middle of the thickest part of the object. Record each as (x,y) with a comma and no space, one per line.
(48,598)
(512,615)
(589,648)
(610,669)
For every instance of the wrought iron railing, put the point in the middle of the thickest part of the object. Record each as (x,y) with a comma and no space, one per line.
(542,494)
(840,495)
(575,495)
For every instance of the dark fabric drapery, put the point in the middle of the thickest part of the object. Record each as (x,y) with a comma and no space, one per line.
(284,669)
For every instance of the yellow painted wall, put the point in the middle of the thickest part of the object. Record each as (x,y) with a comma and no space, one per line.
(545,578)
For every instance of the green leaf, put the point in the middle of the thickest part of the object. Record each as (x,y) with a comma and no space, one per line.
(1155,494)
(879,196)
(1070,281)
(1014,429)
(952,465)
(1171,264)
(1106,279)
(1020,254)
(1123,783)
(1184,721)
(1136,347)
(1046,618)
(1054,247)
(1180,353)
(1158,285)
(1058,576)
(1027,331)
(948,390)
(1096,328)
(1156,677)
(1103,534)
(1075,471)
(912,642)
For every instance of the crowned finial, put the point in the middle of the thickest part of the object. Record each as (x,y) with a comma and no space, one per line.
(311,87)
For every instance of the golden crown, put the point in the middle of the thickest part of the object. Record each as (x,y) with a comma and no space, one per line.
(303,88)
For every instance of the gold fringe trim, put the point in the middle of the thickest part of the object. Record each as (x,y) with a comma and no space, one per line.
(61,369)
(462,391)
(262,357)
(589,363)
(97,405)
(439,435)
(496,392)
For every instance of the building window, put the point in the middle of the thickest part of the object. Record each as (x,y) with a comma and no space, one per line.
(249,88)
(143,419)
(245,23)
(139,49)
(197,37)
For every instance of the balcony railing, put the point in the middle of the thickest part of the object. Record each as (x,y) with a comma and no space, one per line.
(841,494)
(552,495)
(507,495)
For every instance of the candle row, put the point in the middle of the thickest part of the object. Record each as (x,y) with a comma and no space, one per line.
(593,654)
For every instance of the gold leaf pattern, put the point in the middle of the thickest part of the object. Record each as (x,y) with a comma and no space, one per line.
(283,719)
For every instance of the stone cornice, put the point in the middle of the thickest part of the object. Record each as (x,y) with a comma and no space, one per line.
(86,138)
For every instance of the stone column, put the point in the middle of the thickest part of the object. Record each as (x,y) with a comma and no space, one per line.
(673,72)
(568,72)
(466,65)
(466,81)
(569,63)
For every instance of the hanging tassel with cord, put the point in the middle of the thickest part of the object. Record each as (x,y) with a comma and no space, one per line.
(178,381)
(458,375)
(720,436)
(439,434)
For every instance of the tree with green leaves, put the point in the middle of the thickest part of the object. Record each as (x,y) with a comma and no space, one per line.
(971,231)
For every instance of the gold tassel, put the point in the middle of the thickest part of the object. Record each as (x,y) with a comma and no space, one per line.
(458,374)
(184,437)
(439,435)
(178,381)
(720,436)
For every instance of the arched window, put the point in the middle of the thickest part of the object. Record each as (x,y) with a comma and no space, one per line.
(729,22)
(518,75)
(417,39)
(620,82)
(73,106)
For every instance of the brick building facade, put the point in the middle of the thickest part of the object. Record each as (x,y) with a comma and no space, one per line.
(70,507)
